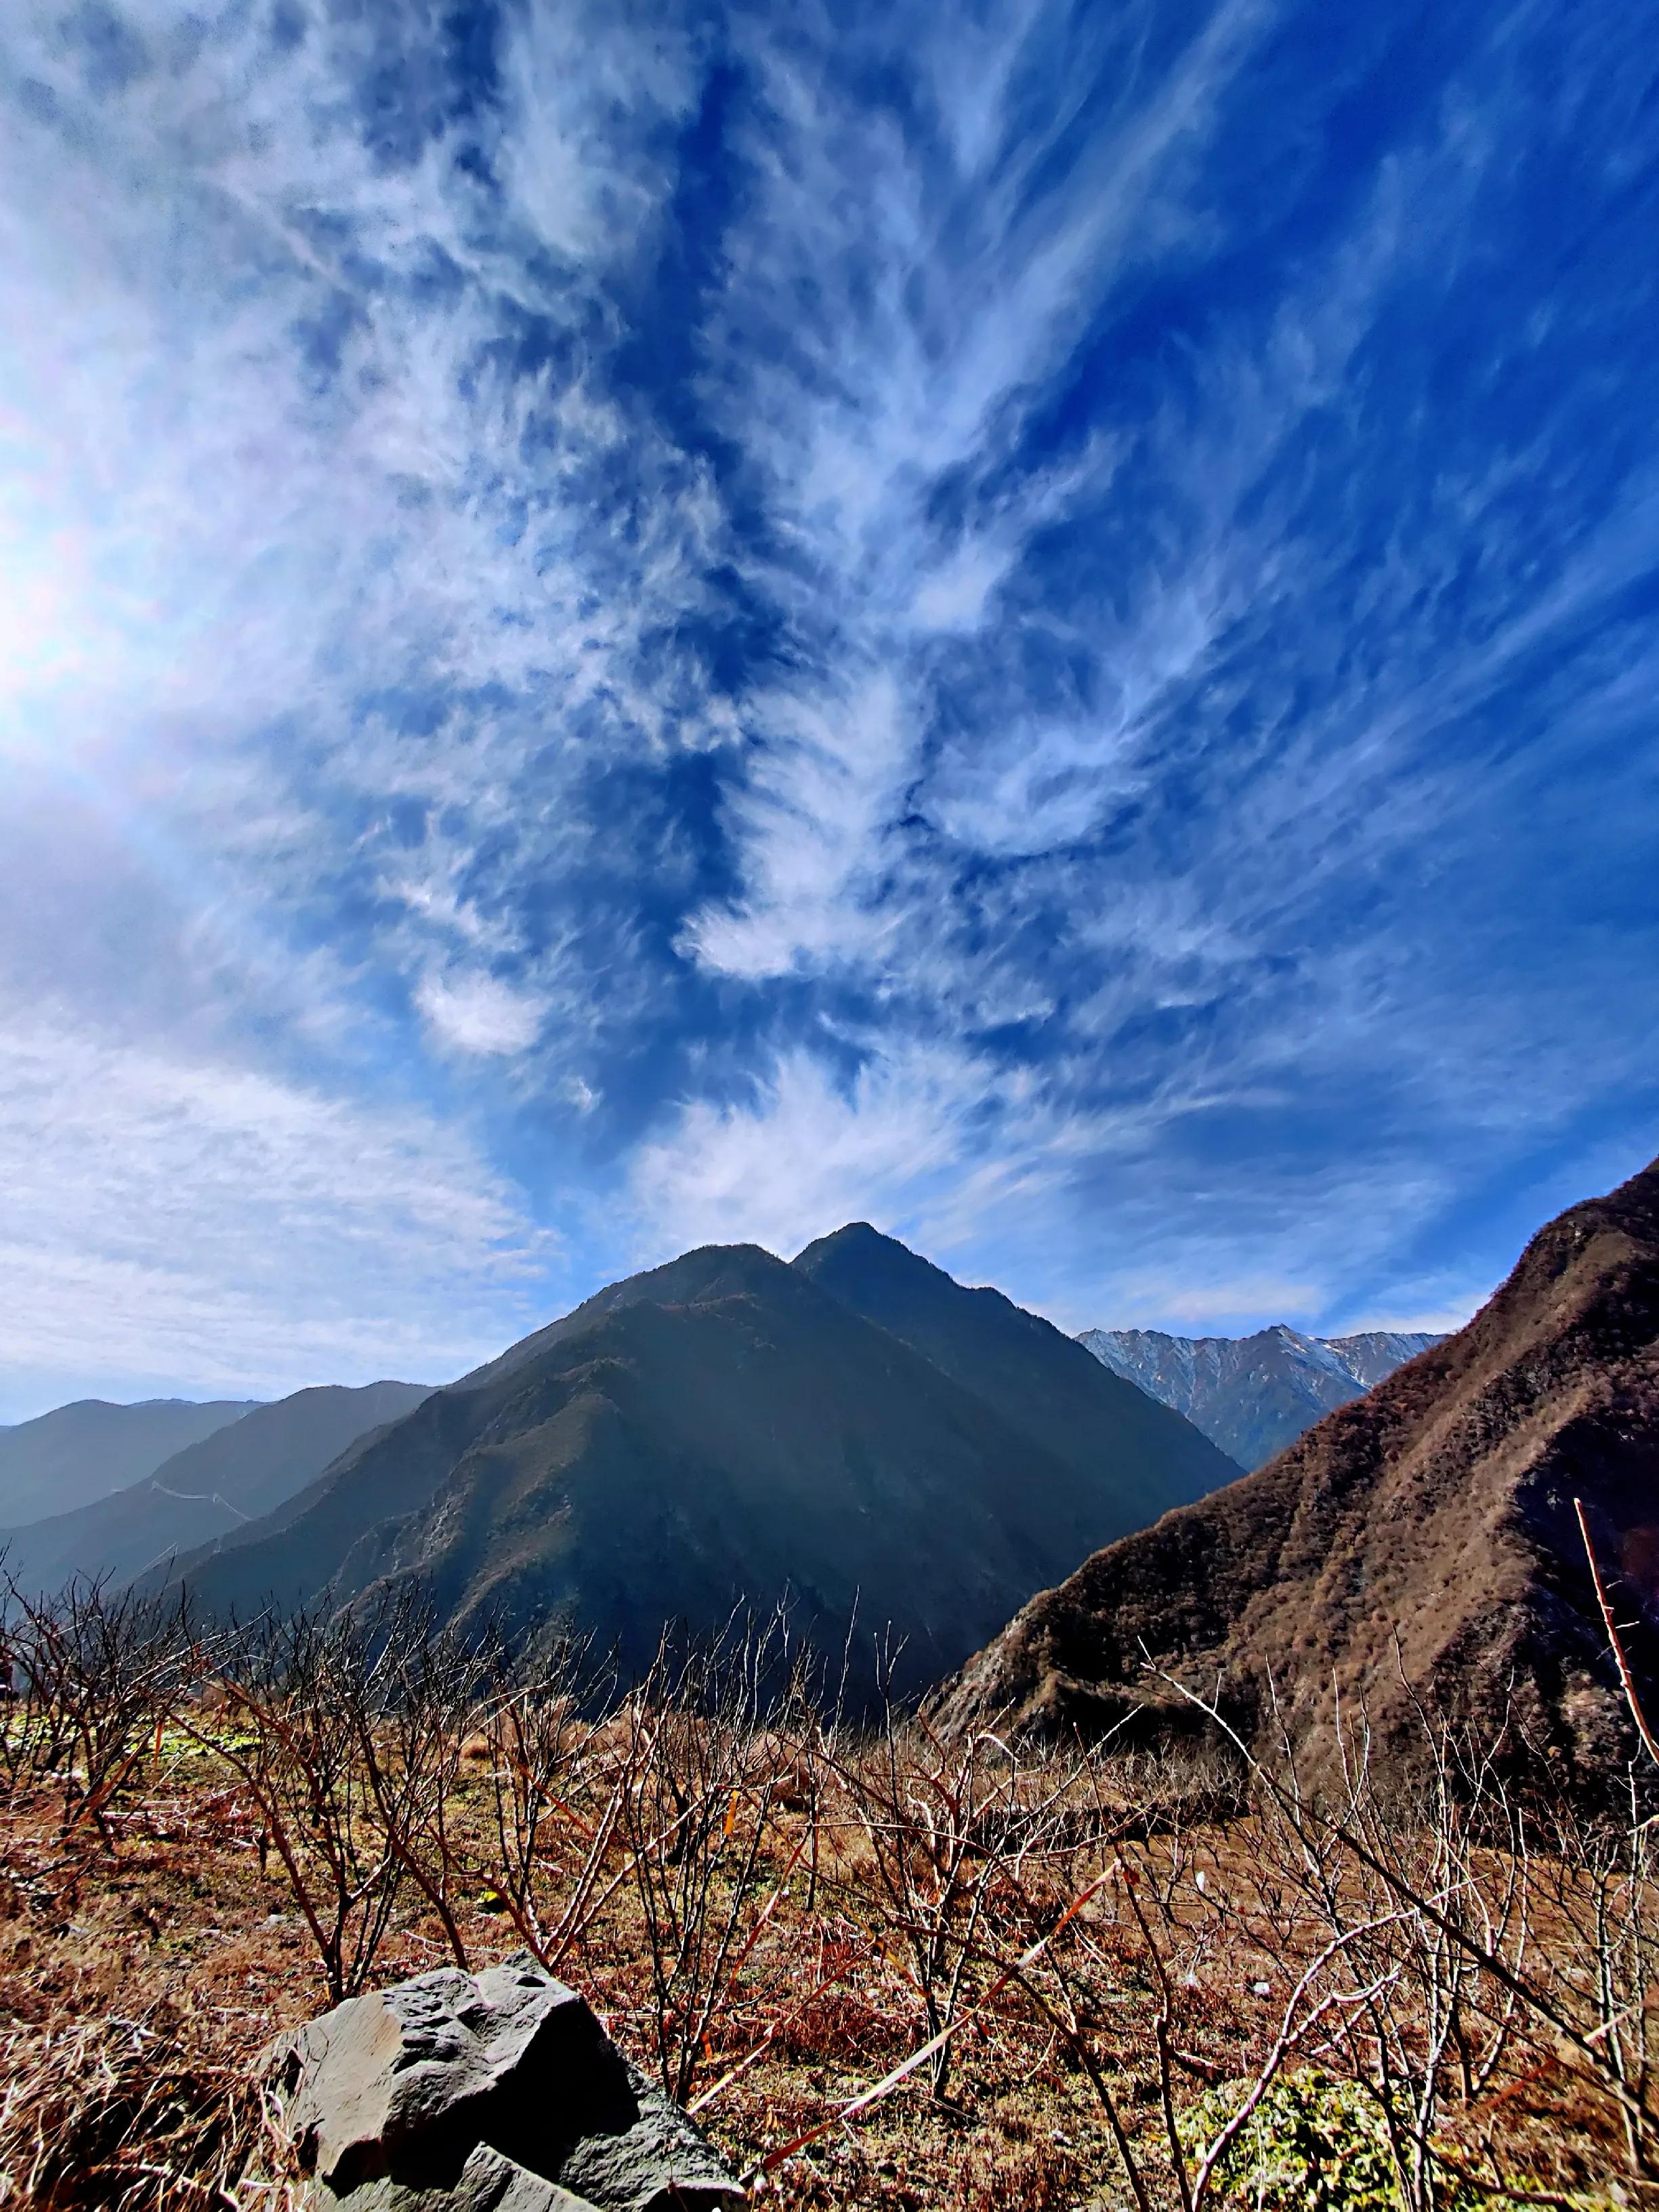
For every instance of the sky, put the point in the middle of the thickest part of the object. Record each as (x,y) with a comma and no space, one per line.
(629,627)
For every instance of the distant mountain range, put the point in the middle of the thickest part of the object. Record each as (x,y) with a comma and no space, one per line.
(1421,1542)
(861,1434)
(76,1452)
(1252,1396)
(227,1479)
(854,1429)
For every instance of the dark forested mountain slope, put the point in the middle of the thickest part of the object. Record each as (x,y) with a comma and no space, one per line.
(1146,1457)
(211,1487)
(76,1452)
(1419,1541)
(1252,1396)
(720,1431)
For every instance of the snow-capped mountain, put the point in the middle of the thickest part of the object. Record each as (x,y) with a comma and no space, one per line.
(1254,1394)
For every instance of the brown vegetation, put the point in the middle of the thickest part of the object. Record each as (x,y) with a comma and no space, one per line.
(1421,1542)
(884,1969)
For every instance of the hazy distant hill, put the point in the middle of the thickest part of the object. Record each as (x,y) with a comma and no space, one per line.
(1252,1396)
(1424,1536)
(227,1479)
(76,1452)
(725,1428)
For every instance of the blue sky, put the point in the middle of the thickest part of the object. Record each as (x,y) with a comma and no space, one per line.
(628,627)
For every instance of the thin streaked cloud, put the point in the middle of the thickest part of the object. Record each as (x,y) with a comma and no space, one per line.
(1029,623)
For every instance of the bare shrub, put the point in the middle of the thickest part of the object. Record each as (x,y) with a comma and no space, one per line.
(956,1832)
(558,1765)
(706,1778)
(35,1717)
(91,1672)
(424,1698)
(308,1695)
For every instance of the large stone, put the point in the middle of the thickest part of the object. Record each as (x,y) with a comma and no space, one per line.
(486,2183)
(493,2092)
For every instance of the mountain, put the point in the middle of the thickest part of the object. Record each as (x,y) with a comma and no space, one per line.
(76,1452)
(1420,1541)
(227,1480)
(1031,1373)
(1252,1396)
(727,1429)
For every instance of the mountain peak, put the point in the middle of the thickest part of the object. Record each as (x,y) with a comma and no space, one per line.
(1420,1543)
(862,1241)
(708,1271)
(1252,1396)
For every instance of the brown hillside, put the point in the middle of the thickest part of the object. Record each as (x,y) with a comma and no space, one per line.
(1420,1541)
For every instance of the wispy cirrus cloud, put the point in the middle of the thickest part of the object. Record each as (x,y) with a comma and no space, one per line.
(168,1217)
(317,443)
(926,273)
(924,1141)
(1027,622)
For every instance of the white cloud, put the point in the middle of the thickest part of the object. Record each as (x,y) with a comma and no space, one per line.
(931,1143)
(478,1013)
(801,1155)
(954,596)
(568,74)
(1202,1305)
(1438,1316)
(264,453)
(940,300)
(818,803)
(225,1230)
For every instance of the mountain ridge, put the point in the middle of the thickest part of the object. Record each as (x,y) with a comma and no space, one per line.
(1253,1395)
(1419,1542)
(719,1430)
(87,1449)
(237,1473)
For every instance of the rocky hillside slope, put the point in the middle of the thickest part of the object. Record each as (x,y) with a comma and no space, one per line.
(1252,1396)
(724,1430)
(1419,1541)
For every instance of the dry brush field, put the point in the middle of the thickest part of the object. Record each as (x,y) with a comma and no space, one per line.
(882,1969)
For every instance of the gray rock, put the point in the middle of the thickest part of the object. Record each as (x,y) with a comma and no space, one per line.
(486,2183)
(493,2092)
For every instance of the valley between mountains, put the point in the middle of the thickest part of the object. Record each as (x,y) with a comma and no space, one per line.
(904,1463)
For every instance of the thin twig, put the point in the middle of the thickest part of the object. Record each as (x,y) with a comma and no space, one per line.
(1627,1680)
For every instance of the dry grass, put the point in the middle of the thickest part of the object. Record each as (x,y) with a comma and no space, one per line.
(140,2113)
(776,1918)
